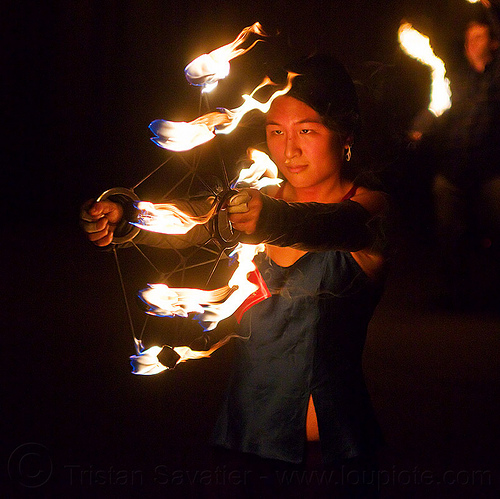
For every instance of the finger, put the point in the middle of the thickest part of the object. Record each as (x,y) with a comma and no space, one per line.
(243,222)
(240,208)
(99,209)
(105,241)
(86,217)
(101,238)
(239,202)
(240,197)
(238,218)
(94,226)
(247,228)
(96,235)
(108,210)
(85,211)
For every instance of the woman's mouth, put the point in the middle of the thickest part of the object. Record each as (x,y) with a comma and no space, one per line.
(295,168)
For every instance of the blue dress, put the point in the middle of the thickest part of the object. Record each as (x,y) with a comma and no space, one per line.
(306,339)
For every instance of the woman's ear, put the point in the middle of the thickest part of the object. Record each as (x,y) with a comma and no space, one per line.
(347,152)
(348,142)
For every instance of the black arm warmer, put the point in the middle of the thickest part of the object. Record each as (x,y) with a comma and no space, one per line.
(341,226)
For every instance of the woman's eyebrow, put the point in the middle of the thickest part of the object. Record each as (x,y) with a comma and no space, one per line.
(300,122)
(310,120)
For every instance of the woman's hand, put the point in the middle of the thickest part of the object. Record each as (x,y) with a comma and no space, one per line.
(99,220)
(244,210)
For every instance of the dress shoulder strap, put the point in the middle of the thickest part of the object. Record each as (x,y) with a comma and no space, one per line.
(350,193)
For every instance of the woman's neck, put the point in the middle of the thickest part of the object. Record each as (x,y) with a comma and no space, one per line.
(331,192)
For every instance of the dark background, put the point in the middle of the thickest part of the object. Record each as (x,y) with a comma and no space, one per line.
(82,81)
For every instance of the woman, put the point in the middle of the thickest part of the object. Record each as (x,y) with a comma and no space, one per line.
(324,266)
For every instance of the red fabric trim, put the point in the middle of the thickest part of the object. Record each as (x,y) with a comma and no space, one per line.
(350,194)
(255,277)
(257,296)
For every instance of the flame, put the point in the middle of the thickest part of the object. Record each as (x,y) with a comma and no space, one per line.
(261,173)
(187,353)
(209,306)
(181,136)
(418,46)
(146,362)
(207,69)
(251,103)
(170,302)
(167,218)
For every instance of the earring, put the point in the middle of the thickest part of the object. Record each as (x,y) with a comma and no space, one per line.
(348,152)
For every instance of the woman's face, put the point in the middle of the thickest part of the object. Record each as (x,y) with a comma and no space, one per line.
(306,152)
(478,43)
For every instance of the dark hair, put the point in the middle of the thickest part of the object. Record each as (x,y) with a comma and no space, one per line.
(324,84)
(483,23)
(478,15)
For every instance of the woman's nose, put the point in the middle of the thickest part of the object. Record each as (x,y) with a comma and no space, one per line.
(291,147)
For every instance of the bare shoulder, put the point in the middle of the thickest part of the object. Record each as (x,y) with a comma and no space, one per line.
(372,259)
(376,202)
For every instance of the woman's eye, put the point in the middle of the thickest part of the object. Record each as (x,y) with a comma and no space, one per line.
(305,131)
(276,132)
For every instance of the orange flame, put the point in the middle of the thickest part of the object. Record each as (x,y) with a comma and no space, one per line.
(418,46)
(181,136)
(167,218)
(251,104)
(210,307)
(261,173)
(207,69)
(146,362)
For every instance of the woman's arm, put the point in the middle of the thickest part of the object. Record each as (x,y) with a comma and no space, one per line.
(350,225)
(107,221)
